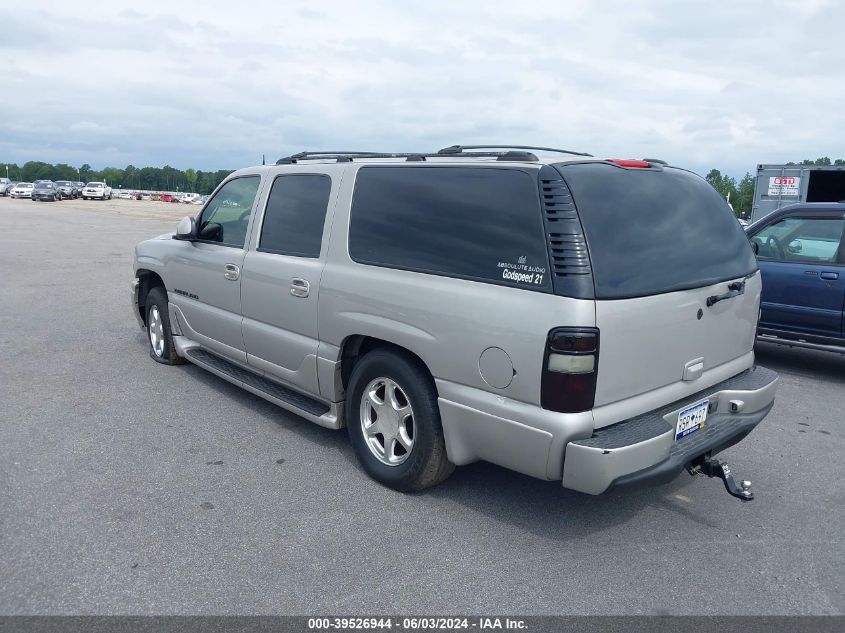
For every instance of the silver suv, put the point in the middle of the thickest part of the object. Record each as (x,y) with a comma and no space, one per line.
(575,319)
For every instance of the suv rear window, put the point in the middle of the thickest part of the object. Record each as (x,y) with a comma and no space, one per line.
(468,222)
(656,230)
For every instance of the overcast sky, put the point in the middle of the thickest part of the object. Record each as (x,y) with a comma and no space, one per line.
(215,85)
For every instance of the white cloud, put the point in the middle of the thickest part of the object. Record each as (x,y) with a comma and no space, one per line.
(701,84)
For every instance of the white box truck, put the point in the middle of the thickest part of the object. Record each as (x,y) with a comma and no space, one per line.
(779,185)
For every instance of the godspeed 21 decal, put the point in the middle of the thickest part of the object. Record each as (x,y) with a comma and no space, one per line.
(522,272)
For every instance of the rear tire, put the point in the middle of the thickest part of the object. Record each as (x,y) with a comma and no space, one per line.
(159,333)
(411,456)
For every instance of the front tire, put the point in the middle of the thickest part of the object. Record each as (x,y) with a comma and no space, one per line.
(159,333)
(394,422)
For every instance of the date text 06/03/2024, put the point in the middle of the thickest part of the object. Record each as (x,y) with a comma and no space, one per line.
(416,623)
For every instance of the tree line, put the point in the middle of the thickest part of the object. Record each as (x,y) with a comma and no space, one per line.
(739,193)
(165,178)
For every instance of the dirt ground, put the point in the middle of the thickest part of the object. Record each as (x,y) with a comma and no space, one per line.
(140,209)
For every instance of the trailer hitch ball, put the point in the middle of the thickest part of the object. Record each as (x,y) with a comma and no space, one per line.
(712,467)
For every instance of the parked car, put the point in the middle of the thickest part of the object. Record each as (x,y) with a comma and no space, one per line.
(801,253)
(475,305)
(5,186)
(96,190)
(67,189)
(79,187)
(45,190)
(21,190)
(188,198)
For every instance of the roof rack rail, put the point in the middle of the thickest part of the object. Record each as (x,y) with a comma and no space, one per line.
(327,155)
(345,157)
(459,149)
(655,160)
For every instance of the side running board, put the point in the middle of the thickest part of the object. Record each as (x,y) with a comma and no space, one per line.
(260,385)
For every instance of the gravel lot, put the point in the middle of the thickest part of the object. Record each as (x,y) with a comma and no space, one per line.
(127,487)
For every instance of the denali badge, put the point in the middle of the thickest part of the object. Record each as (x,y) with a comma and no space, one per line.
(185,294)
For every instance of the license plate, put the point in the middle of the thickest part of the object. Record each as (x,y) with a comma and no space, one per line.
(691,419)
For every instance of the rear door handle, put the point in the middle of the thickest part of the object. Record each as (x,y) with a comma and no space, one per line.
(231,272)
(829,275)
(734,290)
(299,287)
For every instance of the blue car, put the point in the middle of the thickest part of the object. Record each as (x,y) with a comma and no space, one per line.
(801,253)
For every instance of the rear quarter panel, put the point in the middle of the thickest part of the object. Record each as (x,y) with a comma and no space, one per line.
(447,322)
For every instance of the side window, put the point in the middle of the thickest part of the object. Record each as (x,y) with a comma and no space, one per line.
(806,240)
(295,215)
(226,216)
(469,222)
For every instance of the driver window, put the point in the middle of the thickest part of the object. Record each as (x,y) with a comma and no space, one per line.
(808,240)
(226,216)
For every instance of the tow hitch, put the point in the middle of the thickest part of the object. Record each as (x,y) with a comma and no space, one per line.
(712,467)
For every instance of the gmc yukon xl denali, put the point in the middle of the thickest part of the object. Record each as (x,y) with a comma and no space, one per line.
(575,319)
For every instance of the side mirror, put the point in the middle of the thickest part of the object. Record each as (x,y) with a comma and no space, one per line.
(213,232)
(755,246)
(795,246)
(186,229)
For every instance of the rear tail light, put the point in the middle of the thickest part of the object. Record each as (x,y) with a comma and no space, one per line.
(570,367)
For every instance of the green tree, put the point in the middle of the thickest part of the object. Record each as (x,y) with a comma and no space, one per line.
(130,177)
(824,160)
(11,170)
(745,196)
(147,178)
(725,185)
(36,170)
(112,176)
(165,178)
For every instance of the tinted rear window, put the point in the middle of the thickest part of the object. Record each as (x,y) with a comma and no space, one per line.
(295,215)
(467,222)
(651,231)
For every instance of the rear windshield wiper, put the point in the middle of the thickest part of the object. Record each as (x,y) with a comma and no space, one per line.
(734,290)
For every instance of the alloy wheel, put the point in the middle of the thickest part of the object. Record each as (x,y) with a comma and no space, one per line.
(387,421)
(156,331)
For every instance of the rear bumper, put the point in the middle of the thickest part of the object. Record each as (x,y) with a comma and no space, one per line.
(643,450)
